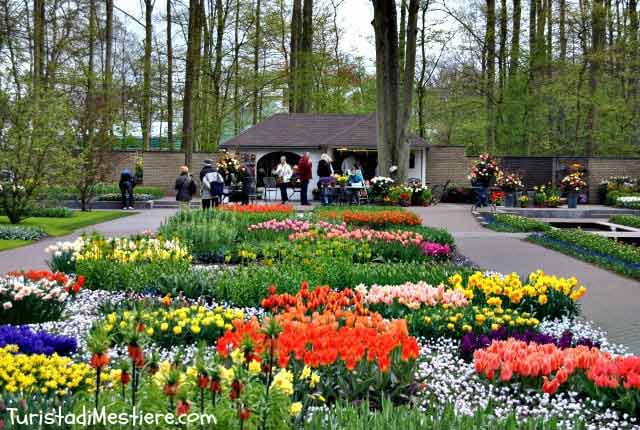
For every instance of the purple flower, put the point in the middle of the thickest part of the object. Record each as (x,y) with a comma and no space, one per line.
(30,342)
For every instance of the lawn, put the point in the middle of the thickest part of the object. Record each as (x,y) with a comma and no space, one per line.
(63,226)
(10,244)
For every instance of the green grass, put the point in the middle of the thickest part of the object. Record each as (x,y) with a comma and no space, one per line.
(11,244)
(63,226)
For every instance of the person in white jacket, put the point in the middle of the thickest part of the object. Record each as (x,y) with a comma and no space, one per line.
(212,188)
(283,173)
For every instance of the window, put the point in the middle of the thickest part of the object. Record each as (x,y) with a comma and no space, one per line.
(412,160)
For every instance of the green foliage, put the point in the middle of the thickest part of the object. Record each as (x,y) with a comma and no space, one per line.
(628,220)
(34,148)
(107,275)
(600,250)
(434,417)
(54,212)
(14,232)
(247,285)
(515,224)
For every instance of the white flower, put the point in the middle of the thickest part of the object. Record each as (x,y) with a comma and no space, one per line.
(7,305)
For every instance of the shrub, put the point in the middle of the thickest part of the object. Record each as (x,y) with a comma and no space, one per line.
(514,224)
(628,220)
(14,232)
(107,275)
(53,212)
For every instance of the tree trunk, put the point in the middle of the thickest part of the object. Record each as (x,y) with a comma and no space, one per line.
(394,113)
(236,72)
(38,45)
(502,55)
(491,75)
(515,39)
(563,32)
(294,55)
(305,58)
(256,65)
(597,51)
(169,78)
(191,77)
(634,64)
(402,35)
(146,78)
(221,18)
(423,73)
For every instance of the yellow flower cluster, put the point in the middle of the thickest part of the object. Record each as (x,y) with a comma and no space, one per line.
(126,250)
(476,319)
(283,381)
(37,373)
(311,376)
(509,289)
(195,320)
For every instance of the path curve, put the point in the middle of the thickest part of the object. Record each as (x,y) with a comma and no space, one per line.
(612,302)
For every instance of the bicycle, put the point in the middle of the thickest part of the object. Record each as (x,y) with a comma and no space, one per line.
(437,193)
(481,200)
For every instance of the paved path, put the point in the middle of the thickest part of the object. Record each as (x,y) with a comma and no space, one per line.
(612,301)
(34,257)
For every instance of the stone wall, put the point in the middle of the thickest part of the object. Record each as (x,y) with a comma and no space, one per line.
(447,163)
(602,168)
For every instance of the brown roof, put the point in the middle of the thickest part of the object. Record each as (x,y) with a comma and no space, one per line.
(310,130)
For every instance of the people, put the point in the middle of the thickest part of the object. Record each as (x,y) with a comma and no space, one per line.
(212,187)
(305,172)
(247,180)
(185,187)
(356,180)
(325,175)
(283,174)
(204,194)
(347,164)
(126,184)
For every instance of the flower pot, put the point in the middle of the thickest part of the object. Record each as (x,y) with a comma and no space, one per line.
(572,200)
(509,199)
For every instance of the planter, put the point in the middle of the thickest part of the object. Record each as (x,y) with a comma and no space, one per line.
(509,199)
(572,200)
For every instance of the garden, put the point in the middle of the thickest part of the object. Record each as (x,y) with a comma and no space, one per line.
(341,318)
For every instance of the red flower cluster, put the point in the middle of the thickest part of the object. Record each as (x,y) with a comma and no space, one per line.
(319,300)
(258,208)
(377,218)
(556,366)
(71,285)
(327,338)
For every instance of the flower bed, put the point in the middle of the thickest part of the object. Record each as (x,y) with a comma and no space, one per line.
(629,202)
(373,219)
(16,232)
(613,380)
(41,342)
(516,224)
(35,296)
(628,220)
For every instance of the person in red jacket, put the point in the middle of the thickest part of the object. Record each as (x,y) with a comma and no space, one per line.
(305,172)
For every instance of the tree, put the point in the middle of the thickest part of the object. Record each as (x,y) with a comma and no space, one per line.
(490,39)
(394,94)
(146,90)
(169,77)
(192,68)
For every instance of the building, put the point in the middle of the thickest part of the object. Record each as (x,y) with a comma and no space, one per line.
(345,138)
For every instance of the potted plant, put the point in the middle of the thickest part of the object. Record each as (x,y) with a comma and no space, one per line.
(573,184)
(380,186)
(524,201)
(484,171)
(510,183)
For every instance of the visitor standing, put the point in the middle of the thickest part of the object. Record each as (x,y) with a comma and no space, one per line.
(204,194)
(305,171)
(185,187)
(325,173)
(283,176)
(246,178)
(126,184)
(212,188)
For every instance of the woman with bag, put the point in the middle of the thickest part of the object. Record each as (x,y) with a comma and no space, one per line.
(325,173)
(212,188)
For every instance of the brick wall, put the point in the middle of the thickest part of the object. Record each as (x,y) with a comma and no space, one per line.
(447,163)
(115,163)
(162,168)
(601,168)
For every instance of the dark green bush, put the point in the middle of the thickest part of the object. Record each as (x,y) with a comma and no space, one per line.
(18,232)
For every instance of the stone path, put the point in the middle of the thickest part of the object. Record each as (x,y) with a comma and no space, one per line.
(34,257)
(612,301)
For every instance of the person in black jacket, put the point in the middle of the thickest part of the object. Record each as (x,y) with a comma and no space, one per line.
(247,184)
(185,186)
(126,184)
(325,173)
